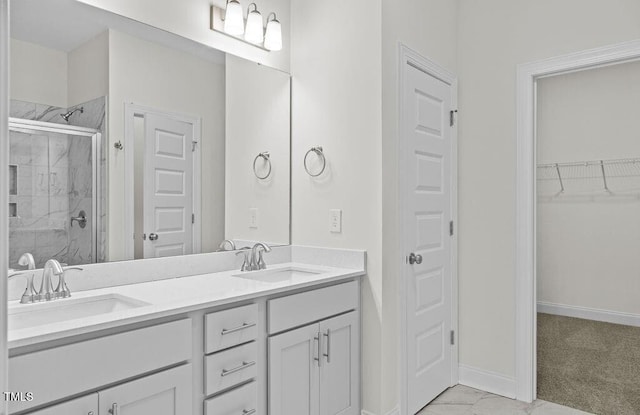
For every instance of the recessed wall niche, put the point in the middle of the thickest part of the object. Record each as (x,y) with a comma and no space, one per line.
(13,180)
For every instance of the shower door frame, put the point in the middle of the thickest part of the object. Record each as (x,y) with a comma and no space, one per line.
(30,126)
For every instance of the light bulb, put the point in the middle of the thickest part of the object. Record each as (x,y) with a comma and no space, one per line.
(273,37)
(255,31)
(234,19)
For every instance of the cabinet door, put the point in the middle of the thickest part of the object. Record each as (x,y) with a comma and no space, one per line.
(165,393)
(340,366)
(87,405)
(293,372)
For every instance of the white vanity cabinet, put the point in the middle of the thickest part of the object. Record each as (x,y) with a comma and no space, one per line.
(282,354)
(315,369)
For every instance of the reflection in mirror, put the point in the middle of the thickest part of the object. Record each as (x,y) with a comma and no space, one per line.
(129,142)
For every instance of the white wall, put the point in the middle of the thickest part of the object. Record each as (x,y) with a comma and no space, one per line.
(588,241)
(337,105)
(88,71)
(430,28)
(152,75)
(38,74)
(191,19)
(494,36)
(257,119)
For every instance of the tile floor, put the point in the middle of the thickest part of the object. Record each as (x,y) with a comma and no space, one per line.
(462,400)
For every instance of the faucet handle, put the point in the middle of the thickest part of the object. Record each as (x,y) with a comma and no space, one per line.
(261,263)
(30,294)
(62,290)
(246,264)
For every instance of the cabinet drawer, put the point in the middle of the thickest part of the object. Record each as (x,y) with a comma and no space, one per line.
(239,401)
(82,406)
(228,328)
(229,368)
(63,371)
(300,309)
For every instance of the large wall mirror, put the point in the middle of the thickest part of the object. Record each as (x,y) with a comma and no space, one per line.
(128,142)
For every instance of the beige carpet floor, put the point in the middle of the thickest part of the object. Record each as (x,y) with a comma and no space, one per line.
(589,365)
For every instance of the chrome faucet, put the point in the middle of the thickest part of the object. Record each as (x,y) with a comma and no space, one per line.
(257,261)
(46,292)
(51,267)
(253,260)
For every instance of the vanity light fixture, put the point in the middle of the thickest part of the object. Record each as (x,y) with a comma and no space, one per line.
(254,32)
(233,18)
(231,22)
(273,35)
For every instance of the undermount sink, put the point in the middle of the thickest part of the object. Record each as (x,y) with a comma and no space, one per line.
(23,316)
(278,275)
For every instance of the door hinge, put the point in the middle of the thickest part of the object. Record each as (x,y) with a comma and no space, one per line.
(194,143)
(193,218)
(451,228)
(453,337)
(452,117)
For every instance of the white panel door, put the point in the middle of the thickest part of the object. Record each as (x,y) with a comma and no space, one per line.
(87,405)
(427,138)
(165,393)
(293,372)
(340,365)
(168,182)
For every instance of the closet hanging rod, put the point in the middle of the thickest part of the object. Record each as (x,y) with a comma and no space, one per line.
(591,163)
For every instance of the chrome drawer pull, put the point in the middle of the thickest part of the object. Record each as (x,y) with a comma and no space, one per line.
(244,326)
(248,412)
(317,340)
(114,409)
(328,354)
(244,365)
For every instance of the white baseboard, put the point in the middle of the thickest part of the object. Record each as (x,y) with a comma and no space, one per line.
(615,317)
(488,381)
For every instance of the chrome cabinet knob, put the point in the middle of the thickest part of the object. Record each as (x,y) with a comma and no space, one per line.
(153,236)
(415,259)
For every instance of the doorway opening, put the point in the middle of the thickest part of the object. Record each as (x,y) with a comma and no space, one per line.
(555,224)
(588,237)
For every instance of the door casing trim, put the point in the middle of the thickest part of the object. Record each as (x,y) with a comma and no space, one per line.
(525,236)
(131,111)
(407,56)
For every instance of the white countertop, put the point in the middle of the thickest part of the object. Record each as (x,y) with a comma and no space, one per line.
(171,297)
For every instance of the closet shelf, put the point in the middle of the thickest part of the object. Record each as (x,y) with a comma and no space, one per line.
(607,175)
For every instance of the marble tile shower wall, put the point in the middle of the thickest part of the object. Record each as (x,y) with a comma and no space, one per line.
(54,183)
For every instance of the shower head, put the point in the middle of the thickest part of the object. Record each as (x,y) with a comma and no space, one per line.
(68,114)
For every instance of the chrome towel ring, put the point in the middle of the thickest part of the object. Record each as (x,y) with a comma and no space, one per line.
(320,153)
(267,159)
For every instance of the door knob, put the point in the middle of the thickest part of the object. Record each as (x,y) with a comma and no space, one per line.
(153,236)
(415,259)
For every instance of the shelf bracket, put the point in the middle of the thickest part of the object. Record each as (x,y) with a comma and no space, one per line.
(604,176)
(560,178)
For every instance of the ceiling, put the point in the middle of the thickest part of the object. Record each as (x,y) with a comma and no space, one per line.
(65,25)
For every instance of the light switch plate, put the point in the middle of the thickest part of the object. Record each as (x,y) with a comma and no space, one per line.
(253,218)
(335,220)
